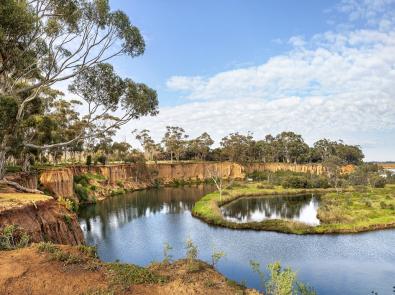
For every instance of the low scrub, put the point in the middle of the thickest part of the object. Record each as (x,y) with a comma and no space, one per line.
(125,275)
(289,179)
(13,237)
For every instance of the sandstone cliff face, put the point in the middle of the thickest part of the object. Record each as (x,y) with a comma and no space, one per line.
(273,167)
(59,182)
(196,171)
(116,172)
(45,221)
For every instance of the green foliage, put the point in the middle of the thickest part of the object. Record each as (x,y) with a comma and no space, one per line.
(13,237)
(89,160)
(125,275)
(280,281)
(102,159)
(47,247)
(289,179)
(166,252)
(70,204)
(68,220)
(89,251)
(82,192)
(216,256)
(191,250)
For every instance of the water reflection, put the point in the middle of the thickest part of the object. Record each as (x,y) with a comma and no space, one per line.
(134,227)
(301,208)
(116,211)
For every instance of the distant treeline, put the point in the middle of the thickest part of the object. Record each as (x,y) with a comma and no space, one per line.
(287,147)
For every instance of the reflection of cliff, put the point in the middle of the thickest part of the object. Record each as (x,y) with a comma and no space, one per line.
(123,209)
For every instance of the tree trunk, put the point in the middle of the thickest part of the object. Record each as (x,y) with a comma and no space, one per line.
(2,163)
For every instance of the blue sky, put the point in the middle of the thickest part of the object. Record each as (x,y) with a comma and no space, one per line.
(319,68)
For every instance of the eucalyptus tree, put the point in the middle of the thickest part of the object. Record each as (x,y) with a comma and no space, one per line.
(200,146)
(174,141)
(292,146)
(236,147)
(45,42)
(151,149)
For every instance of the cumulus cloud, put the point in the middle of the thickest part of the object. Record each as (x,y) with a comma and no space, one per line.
(332,84)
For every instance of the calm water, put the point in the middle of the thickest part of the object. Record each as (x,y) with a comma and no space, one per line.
(301,208)
(133,228)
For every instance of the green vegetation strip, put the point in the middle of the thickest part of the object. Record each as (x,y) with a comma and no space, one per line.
(351,211)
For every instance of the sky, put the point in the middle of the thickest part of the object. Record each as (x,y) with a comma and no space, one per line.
(323,69)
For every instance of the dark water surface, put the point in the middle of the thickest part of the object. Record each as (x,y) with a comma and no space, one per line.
(302,208)
(133,228)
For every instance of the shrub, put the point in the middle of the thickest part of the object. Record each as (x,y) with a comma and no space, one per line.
(166,252)
(102,159)
(191,250)
(380,182)
(126,275)
(367,202)
(82,192)
(295,182)
(47,247)
(90,251)
(216,257)
(13,237)
(89,160)
(69,204)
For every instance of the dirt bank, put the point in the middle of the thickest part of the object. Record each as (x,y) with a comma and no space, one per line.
(43,219)
(59,182)
(29,271)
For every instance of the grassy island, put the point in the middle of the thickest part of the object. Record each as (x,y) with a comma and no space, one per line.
(351,211)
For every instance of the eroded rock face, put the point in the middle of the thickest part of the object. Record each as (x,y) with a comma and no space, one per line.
(45,221)
(59,182)
(197,171)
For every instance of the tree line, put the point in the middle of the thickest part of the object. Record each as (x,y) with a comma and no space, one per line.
(285,147)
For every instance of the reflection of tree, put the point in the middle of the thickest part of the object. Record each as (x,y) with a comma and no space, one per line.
(283,207)
(119,210)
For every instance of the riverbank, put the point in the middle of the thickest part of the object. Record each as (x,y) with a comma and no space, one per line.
(346,212)
(41,217)
(48,269)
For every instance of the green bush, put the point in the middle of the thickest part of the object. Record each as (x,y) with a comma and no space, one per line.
(89,160)
(102,159)
(289,179)
(82,192)
(13,237)
(380,182)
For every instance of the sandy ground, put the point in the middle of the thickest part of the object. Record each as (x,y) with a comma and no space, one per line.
(26,271)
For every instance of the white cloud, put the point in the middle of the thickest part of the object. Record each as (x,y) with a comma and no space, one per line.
(332,85)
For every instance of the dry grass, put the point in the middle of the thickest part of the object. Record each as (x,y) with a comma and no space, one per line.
(10,200)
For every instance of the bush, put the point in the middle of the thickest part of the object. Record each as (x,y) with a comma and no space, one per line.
(380,182)
(191,250)
(89,160)
(69,204)
(102,159)
(13,237)
(295,182)
(82,192)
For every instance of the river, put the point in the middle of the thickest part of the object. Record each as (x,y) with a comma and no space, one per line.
(133,228)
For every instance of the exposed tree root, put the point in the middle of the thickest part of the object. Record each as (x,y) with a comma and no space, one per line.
(20,187)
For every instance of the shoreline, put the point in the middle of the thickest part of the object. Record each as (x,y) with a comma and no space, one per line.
(208,210)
